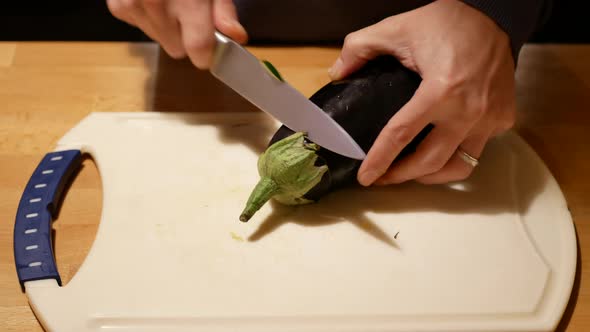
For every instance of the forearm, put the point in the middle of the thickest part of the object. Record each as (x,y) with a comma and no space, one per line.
(518,18)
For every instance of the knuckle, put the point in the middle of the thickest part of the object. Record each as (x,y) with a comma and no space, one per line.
(173,50)
(114,7)
(399,135)
(200,62)
(475,104)
(176,53)
(444,90)
(121,6)
(199,45)
(451,85)
(123,9)
(352,40)
(432,164)
(477,108)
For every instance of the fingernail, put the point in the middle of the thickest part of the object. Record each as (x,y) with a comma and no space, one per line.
(238,26)
(368,177)
(243,35)
(336,70)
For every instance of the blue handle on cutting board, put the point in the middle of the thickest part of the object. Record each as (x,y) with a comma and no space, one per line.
(33,250)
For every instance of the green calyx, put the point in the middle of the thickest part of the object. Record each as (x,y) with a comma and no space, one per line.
(287,172)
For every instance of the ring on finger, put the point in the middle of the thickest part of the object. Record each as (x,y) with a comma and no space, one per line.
(471,160)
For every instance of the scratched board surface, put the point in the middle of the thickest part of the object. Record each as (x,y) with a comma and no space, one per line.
(496,252)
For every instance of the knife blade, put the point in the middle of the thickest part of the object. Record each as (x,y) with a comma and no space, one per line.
(244,73)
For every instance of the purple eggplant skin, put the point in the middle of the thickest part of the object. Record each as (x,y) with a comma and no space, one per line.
(362,104)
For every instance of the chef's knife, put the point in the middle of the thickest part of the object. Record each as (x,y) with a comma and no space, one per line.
(244,73)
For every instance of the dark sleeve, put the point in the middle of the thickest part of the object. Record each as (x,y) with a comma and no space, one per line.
(519,18)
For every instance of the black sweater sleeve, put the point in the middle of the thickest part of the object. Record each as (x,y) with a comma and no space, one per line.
(331,20)
(518,18)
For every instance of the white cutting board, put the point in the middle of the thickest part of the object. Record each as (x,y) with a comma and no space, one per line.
(495,253)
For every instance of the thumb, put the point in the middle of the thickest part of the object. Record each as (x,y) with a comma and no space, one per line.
(385,37)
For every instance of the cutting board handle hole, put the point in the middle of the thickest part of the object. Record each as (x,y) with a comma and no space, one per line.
(79,212)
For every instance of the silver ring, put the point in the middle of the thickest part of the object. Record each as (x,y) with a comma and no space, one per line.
(467,157)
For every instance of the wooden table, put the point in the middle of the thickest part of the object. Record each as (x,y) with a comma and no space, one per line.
(46,88)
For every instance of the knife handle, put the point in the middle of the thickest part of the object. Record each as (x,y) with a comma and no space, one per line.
(39,204)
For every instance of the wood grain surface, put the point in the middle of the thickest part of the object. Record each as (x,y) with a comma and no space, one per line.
(46,88)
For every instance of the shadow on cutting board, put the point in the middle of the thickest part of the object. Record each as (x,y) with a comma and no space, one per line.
(501,184)
(176,86)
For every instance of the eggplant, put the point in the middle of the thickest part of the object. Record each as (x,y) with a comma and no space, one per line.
(293,170)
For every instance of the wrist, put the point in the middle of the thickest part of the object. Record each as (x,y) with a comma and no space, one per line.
(518,19)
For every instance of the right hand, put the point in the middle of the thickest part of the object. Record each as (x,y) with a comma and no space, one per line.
(182,27)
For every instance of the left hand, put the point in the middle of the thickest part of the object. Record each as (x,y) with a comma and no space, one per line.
(467,90)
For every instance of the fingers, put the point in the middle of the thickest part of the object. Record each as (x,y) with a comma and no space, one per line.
(385,37)
(434,161)
(359,47)
(134,13)
(226,20)
(431,155)
(467,82)
(197,30)
(165,26)
(398,132)
(122,10)
(182,27)
(457,169)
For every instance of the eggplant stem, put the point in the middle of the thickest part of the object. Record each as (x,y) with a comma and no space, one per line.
(265,189)
(287,172)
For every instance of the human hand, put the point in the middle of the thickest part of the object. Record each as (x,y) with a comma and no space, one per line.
(467,90)
(182,27)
